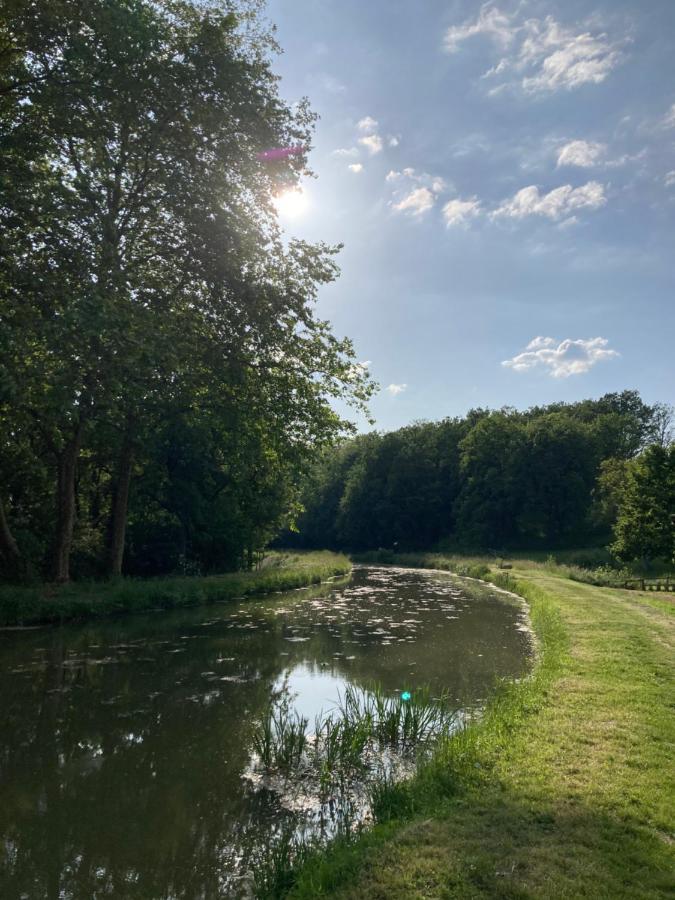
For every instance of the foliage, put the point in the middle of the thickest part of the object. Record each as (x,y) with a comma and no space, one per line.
(162,363)
(645,524)
(538,478)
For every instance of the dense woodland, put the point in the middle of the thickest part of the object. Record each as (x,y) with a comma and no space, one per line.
(163,375)
(549,477)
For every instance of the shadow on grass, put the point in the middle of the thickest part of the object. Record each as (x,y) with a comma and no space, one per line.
(487,843)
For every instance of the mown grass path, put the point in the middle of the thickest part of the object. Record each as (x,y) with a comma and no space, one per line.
(579,799)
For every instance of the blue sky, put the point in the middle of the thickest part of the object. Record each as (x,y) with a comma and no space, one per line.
(503,179)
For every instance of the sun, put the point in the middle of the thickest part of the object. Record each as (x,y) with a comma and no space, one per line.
(291,204)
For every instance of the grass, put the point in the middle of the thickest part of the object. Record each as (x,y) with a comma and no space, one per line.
(45,604)
(470,566)
(365,720)
(561,791)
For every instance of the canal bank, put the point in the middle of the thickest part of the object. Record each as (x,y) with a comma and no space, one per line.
(47,604)
(562,791)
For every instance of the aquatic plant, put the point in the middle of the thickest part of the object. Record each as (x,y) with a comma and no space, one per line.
(355,763)
(280,738)
(346,742)
(274,865)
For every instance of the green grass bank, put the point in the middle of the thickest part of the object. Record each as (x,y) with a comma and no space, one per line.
(46,604)
(564,790)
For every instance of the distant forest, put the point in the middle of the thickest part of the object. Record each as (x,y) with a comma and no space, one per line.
(550,477)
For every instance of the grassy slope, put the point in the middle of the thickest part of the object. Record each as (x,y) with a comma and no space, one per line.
(50,603)
(565,791)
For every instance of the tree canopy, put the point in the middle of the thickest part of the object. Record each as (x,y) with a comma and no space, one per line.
(545,477)
(162,362)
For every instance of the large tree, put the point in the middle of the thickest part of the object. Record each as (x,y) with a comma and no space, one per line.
(142,265)
(645,525)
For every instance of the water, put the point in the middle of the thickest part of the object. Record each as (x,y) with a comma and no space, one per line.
(125,744)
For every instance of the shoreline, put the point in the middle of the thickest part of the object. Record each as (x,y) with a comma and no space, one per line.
(558,785)
(24,607)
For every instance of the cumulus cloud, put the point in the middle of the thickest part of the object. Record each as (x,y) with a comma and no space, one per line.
(562,359)
(669,179)
(414,192)
(459,212)
(559,203)
(369,138)
(372,142)
(417,202)
(356,168)
(367,124)
(395,389)
(543,54)
(584,154)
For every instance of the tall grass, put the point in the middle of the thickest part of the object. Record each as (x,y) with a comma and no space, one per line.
(593,566)
(471,567)
(43,604)
(353,763)
(364,722)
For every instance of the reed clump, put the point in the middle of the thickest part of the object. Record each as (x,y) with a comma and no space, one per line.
(364,723)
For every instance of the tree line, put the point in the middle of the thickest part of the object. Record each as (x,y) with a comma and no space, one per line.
(549,477)
(163,374)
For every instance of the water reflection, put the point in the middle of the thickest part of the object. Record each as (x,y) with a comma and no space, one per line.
(124,743)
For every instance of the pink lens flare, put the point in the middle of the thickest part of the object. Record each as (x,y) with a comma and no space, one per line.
(280,153)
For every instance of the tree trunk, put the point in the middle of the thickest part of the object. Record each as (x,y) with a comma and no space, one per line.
(120,505)
(9,550)
(65,506)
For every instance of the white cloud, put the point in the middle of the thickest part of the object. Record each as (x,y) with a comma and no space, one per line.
(669,179)
(563,59)
(417,202)
(372,143)
(491,22)
(346,151)
(395,389)
(569,357)
(393,141)
(356,168)
(669,118)
(557,204)
(584,154)
(458,212)
(546,55)
(367,124)
(414,192)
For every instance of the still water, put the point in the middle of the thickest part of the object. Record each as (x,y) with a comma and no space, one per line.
(125,744)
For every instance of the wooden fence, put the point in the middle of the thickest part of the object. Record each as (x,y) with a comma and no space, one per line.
(651,584)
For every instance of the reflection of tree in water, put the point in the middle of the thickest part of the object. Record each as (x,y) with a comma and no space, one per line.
(124,742)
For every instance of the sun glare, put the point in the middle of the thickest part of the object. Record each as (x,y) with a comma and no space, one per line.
(292,203)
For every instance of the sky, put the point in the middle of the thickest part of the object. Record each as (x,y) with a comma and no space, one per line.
(502,177)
